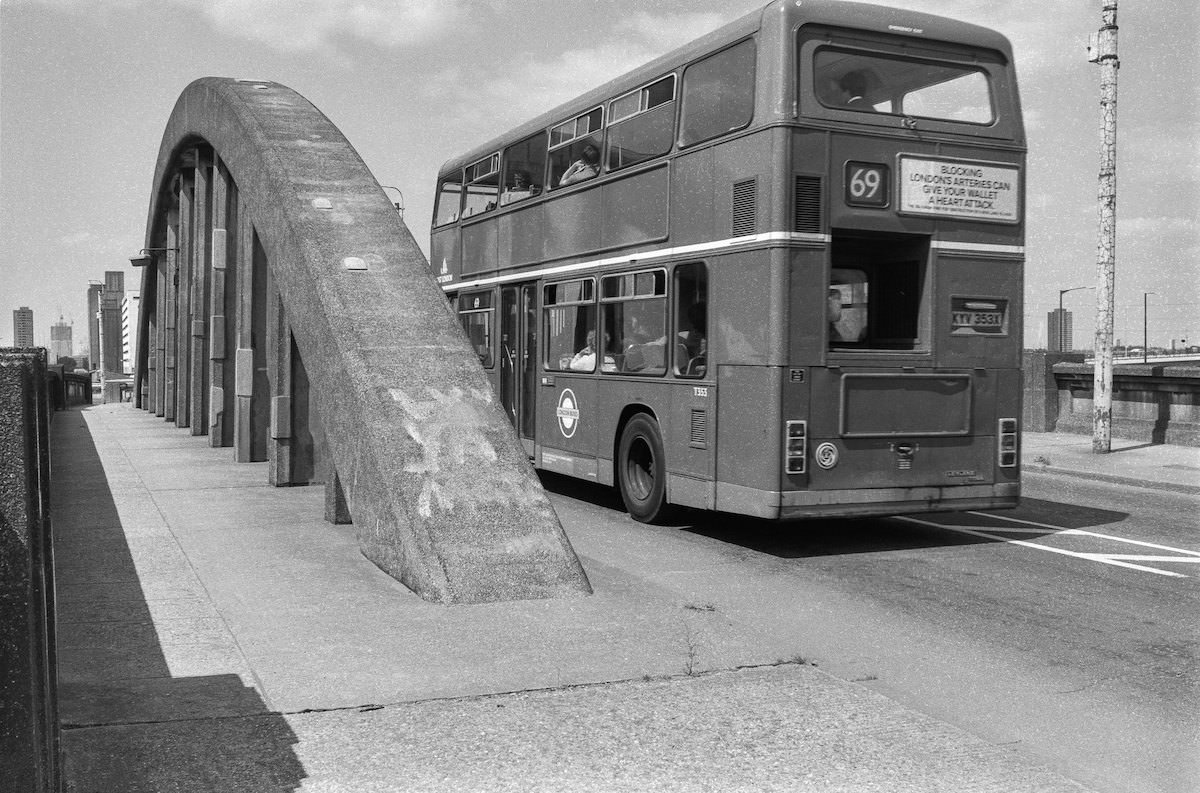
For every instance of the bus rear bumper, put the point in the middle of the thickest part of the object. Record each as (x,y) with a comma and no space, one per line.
(790,505)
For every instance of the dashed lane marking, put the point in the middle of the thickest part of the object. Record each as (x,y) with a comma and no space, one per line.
(1114,559)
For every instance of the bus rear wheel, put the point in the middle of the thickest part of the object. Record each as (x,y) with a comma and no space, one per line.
(642,470)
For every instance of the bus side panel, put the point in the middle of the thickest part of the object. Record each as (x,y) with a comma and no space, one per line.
(689,435)
(692,197)
(568,417)
(985,280)
(749,433)
(521,236)
(445,255)
(480,246)
(807,285)
(573,224)
(635,208)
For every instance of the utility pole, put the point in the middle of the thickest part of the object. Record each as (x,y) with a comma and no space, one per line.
(1105,55)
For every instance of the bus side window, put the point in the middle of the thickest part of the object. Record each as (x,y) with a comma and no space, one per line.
(524,169)
(569,320)
(483,185)
(691,320)
(476,315)
(575,149)
(449,198)
(635,320)
(718,94)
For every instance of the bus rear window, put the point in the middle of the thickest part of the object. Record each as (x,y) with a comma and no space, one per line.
(867,82)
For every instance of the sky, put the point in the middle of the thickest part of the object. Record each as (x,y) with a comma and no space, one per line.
(87,86)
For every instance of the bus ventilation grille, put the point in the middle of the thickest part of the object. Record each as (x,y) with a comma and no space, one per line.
(808,204)
(697,438)
(744,207)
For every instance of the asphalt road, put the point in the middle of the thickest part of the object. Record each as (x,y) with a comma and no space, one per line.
(1067,629)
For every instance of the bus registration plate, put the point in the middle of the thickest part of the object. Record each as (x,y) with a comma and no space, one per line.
(978,316)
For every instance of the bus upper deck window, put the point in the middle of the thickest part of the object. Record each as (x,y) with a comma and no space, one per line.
(449,199)
(871,82)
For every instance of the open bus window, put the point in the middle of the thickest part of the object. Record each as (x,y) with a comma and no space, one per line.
(691,320)
(635,320)
(477,318)
(524,167)
(851,79)
(877,294)
(575,149)
(483,185)
(641,124)
(449,199)
(569,313)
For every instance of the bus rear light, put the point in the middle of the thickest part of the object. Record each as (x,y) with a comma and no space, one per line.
(1006,437)
(795,442)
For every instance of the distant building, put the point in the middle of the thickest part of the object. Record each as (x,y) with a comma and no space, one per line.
(93,298)
(109,320)
(129,320)
(23,327)
(1059,331)
(60,340)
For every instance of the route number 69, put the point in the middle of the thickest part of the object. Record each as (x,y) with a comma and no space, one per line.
(866,184)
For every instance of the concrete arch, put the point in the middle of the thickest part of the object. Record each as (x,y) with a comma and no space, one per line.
(256,191)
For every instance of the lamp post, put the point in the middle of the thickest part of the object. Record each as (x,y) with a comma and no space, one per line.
(1061,323)
(1145,346)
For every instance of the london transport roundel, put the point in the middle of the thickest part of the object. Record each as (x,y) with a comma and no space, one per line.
(567,412)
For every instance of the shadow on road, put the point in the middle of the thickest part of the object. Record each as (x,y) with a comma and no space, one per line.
(840,536)
(128,724)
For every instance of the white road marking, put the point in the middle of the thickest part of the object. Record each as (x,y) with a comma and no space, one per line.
(1116,561)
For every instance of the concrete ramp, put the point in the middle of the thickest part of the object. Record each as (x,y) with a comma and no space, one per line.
(288,313)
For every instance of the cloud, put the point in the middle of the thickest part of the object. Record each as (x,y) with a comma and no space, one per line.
(297,25)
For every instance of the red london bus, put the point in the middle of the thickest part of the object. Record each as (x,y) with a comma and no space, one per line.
(776,272)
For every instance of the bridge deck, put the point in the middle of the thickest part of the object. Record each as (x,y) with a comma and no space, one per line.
(216,634)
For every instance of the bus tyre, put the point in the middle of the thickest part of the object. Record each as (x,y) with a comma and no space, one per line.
(642,470)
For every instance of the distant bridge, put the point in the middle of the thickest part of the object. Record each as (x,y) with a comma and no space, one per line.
(288,314)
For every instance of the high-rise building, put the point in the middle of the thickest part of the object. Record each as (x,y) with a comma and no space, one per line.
(110,322)
(23,327)
(129,330)
(60,340)
(93,298)
(1059,332)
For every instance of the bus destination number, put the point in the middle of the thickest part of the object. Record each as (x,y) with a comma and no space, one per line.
(867,184)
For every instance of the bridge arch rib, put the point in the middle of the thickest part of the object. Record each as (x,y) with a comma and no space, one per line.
(288,313)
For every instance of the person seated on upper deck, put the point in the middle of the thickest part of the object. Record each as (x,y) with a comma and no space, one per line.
(586,167)
(520,190)
(853,87)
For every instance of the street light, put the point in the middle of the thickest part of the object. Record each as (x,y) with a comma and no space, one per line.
(1061,323)
(1145,346)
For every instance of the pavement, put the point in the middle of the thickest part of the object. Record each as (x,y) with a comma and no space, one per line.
(215,634)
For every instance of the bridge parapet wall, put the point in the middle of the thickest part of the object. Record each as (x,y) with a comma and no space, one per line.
(1154,403)
(29,732)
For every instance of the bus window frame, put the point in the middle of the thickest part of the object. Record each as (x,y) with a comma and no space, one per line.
(441,195)
(807,37)
(544,322)
(622,362)
(461,300)
(472,177)
(644,108)
(753,93)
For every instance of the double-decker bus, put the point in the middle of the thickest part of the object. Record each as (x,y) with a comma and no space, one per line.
(776,272)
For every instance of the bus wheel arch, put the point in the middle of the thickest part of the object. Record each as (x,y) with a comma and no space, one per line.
(641,467)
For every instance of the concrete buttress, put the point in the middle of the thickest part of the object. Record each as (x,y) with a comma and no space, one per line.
(440,491)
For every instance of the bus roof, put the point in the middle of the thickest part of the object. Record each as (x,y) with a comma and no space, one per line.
(791,14)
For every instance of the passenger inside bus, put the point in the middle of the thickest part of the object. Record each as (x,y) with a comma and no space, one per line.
(585,359)
(520,189)
(853,87)
(586,167)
